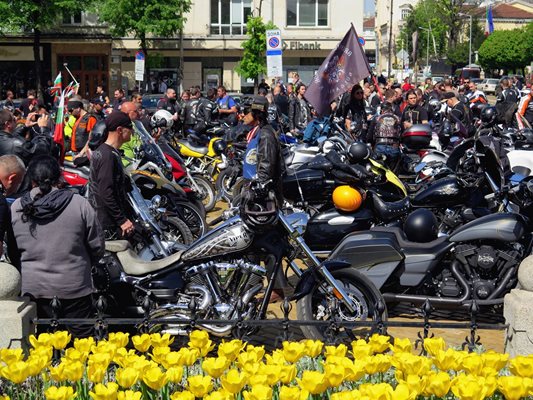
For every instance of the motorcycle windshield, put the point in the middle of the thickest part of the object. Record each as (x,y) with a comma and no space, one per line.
(152,151)
(490,163)
(458,153)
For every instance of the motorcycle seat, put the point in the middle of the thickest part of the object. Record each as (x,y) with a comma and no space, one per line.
(408,247)
(194,147)
(320,163)
(132,264)
(388,211)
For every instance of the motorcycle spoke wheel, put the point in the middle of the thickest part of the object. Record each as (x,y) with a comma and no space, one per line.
(226,182)
(322,306)
(193,218)
(177,231)
(206,192)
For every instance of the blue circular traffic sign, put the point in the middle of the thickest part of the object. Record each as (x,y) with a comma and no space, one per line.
(362,41)
(273,42)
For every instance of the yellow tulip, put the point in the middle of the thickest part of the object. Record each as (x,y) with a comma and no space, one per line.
(11,355)
(334,374)
(438,384)
(74,370)
(287,374)
(248,357)
(43,340)
(361,349)
(339,350)
(411,364)
(154,378)
(250,368)
(448,360)
(512,387)
(36,364)
(219,395)
(415,383)
(378,391)
(105,392)
(129,395)
(293,351)
(96,372)
(127,377)
(522,366)
(401,346)
(174,374)
(379,343)
(188,356)
(257,351)
(289,393)
(402,392)
(472,363)
(74,354)
(159,354)
(313,348)
(159,340)
(377,363)
(141,342)
(233,381)
(5,397)
(185,395)
(106,348)
(103,359)
(313,381)
(16,372)
(258,379)
(258,392)
(172,359)
(272,372)
(354,370)
(350,395)
(46,352)
(494,360)
(200,340)
(469,387)
(434,345)
(275,358)
(120,339)
(199,385)
(215,366)
(84,345)
(230,349)
(59,393)
(60,339)
(58,372)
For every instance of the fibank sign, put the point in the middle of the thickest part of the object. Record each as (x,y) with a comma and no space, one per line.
(300,45)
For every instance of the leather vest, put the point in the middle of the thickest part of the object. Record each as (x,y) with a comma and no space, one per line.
(387,129)
(80,135)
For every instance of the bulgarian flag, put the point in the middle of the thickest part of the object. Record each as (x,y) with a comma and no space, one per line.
(59,137)
(489,24)
(71,89)
(56,89)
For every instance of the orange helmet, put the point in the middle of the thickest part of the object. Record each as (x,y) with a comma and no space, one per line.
(346,198)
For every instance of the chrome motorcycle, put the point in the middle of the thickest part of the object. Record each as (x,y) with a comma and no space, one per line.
(223,275)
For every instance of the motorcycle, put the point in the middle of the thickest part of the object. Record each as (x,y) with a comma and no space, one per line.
(477,262)
(220,277)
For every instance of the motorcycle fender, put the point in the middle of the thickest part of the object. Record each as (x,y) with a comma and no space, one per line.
(308,279)
(175,189)
(380,273)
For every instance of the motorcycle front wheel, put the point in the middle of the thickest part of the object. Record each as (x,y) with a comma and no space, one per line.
(193,218)
(226,182)
(323,306)
(176,231)
(206,193)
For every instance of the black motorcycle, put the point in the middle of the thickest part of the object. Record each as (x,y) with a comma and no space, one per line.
(222,275)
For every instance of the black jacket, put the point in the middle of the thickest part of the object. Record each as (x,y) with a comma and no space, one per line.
(299,116)
(204,114)
(270,164)
(14,143)
(172,107)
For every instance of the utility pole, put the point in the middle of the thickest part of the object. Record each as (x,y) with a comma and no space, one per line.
(427,46)
(470,37)
(389,67)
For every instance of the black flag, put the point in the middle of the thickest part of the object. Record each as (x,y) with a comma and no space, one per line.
(345,66)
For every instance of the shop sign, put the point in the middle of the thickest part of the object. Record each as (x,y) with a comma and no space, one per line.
(299,45)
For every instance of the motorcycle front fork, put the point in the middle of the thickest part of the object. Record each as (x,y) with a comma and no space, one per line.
(315,264)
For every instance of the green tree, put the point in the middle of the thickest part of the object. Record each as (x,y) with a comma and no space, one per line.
(144,18)
(253,62)
(33,17)
(458,55)
(507,50)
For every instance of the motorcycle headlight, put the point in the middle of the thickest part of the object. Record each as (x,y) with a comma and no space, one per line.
(156,201)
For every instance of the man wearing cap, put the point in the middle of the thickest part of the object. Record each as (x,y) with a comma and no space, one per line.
(459,113)
(108,182)
(82,127)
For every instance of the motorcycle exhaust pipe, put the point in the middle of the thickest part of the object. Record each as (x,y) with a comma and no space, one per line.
(420,299)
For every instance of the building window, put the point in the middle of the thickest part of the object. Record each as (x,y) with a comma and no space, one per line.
(307,12)
(229,17)
(74,19)
(405,13)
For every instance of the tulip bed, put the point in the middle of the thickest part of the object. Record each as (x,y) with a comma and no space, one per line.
(146,367)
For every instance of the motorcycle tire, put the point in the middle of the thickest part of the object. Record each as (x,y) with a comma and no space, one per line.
(177,231)
(207,192)
(362,291)
(226,182)
(191,216)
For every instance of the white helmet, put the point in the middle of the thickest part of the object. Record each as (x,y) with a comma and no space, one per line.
(161,119)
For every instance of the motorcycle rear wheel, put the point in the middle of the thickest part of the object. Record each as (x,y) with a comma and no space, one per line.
(177,231)
(363,293)
(207,192)
(226,182)
(191,216)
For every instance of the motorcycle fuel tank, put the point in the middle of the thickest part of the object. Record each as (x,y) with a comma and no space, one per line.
(230,237)
(444,192)
(313,183)
(505,227)
(325,229)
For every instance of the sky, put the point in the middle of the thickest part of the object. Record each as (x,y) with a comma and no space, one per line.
(369,7)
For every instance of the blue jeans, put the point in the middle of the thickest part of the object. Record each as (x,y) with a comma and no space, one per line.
(391,153)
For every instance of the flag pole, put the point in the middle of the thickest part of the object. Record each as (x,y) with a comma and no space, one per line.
(372,74)
(68,70)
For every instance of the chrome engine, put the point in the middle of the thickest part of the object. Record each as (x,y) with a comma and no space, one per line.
(215,290)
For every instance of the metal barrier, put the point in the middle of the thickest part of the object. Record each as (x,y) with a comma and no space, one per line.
(242,328)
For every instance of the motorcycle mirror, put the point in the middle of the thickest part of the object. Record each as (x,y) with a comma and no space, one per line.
(420,167)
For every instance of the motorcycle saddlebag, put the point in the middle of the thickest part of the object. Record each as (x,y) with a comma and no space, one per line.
(417,137)
(314,185)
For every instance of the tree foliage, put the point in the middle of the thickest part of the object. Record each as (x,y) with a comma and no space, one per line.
(458,55)
(507,50)
(253,62)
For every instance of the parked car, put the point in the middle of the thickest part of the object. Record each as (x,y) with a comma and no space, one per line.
(489,85)
(150,102)
(477,81)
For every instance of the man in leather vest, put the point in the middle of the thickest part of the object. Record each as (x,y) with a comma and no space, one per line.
(190,110)
(384,134)
(82,127)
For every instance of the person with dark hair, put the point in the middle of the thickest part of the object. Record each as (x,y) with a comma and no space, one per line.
(413,113)
(355,110)
(384,135)
(204,112)
(102,95)
(119,99)
(59,239)
(299,110)
(81,132)
(227,108)
(190,110)
(30,103)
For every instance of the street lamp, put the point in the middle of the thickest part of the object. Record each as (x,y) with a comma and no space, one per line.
(427,47)
(470,37)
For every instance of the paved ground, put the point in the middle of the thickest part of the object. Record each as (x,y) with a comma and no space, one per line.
(271,337)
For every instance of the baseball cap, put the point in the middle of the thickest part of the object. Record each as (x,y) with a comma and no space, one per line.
(447,96)
(117,119)
(259,103)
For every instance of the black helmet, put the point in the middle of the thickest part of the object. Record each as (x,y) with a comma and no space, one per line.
(98,134)
(258,212)
(358,152)
(488,115)
(219,146)
(421,226)
(524,139)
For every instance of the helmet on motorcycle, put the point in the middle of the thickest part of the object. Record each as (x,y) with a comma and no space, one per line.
(98,135)
(358,152)
(488,115)
(524,139)
(435,104)
(219,146)
(346,198)
(258,212)
(161,119)
(421,226)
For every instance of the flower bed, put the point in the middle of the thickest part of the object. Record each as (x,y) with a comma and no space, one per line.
(146,367)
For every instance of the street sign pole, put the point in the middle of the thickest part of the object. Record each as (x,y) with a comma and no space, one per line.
(274,53)
(139,68)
